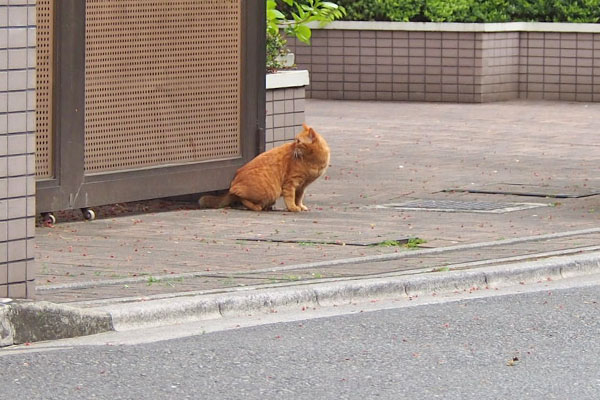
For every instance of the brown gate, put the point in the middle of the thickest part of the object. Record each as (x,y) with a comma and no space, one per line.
(140,100)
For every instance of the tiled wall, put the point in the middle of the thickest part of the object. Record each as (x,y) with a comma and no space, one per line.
(285,115)
(475,66)
(500,66)
(17,147)
(560,66)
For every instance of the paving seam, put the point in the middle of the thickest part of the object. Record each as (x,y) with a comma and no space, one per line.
(317,264)
(391,274)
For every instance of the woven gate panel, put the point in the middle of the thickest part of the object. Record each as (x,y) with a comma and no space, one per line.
(44,133)
(162,82)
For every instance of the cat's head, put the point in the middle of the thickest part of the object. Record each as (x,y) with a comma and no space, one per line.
(309,142)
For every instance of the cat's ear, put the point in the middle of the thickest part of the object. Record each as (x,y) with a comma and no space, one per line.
(305,127)
(312,134)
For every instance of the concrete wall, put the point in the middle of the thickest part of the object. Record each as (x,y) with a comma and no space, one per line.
(17,147)
(452,62)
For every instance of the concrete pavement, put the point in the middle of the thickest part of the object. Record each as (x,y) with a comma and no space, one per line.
(401,203)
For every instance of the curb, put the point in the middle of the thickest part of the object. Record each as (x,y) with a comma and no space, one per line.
(182,309)
(28,321)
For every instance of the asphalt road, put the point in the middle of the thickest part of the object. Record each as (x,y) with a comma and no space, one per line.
(542,345)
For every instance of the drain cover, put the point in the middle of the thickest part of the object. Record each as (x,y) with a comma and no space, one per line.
(460,206)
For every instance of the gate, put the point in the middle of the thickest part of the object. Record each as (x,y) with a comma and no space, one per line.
(139,100)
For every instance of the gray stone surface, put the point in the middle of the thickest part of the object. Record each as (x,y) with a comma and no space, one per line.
(37,321)
(6,328)
(381,153)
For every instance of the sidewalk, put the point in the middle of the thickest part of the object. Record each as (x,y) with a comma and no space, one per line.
(384,155)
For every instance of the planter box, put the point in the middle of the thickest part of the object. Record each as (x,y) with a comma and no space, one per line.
(285,106)
(452,62)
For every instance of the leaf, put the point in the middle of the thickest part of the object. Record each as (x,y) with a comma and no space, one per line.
(271,5)
(303,33)
(328,4)
(275,14)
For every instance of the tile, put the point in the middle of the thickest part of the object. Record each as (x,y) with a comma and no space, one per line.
(17,272)
(279,134)
(16,121)
(17,186)
(17,58)
(3,109)
(17,290)
(17,37)
(269,135)
(334,86)
(17,80)
(3,36)
(278,107)
(3,58)
(288,119)
(17,16)
(299,105)
(17,229)
(17,101)
(290,132)
(278,120)
(17,250)
(17,165)
(3,185)
(16,208)
(299,119)
(31,289)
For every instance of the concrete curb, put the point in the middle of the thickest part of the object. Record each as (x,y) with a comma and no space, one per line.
(29,321)
(149,313)
(26,321)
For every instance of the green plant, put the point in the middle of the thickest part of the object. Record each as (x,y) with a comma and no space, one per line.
(383,10)
(473,10)
(307,11)
(388,243)
(295,24)
(414,242)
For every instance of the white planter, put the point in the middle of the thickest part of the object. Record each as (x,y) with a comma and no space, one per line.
(287,79)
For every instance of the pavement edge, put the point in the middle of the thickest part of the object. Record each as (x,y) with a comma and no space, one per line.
(26,321)
(182,309)
(29,321)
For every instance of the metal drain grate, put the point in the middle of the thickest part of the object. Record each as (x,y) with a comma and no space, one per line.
(460,206)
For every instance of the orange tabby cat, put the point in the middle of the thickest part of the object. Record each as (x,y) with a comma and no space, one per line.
(283,171)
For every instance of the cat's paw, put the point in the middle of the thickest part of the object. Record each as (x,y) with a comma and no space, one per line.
(294,209)
(303,207)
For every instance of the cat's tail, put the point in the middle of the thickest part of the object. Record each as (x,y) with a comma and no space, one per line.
(210,201)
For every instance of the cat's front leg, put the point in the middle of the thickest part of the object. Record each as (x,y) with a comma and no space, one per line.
(289,196)
(299,198)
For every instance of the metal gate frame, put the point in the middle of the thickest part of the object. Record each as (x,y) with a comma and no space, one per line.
(70,188)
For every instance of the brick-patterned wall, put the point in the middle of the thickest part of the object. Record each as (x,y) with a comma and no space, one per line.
(386,65)
(560,66)
(500,66)
(17,147)
(285,115)
(392,65)
(472,66)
